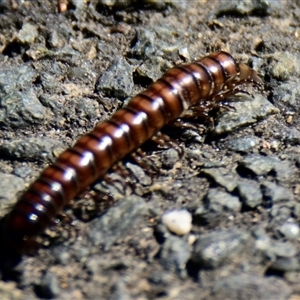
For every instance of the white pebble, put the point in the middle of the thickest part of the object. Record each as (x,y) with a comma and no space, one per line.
(178,221)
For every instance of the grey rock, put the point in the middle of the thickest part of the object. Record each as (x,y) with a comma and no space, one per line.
(245,286)
(157,277)
(66,51)
(242,144)
(196,154)
(168,41)
(286,66)
(247,112)
(288,93)
(174,254)
(260,233)
(195,135)
(273,193)
(48,287)
(257,63)
(87,108)
(49,83)
(152,68)
(4,4)
(54,39)
(207,154)
(62,255)
(162,4)
(81,251)
(139,174)
(18,78)
(213,249)
(157,41)
(144,46)
(284,171)
(281,212)
(290,230)
(105,48)
(76,73)
(275,249)
(10,186)
(162,233)
(92,265)
(22,171)
(27,34)
(119,291)
(201,212)
(219,202)
(244,7)
(297,161)
(31,149)
(293,137)
(285,264)
(52,103)
(262,239)
(21,109)
(250,194)
(117,80)
(229,181)
(214,164)
(282,249)
(296,209)
(79,5)
(292,276)
(263,165)
(115,224)
(258,164)
(169,158)
(156,4)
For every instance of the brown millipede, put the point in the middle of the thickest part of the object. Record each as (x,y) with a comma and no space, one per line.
(196,87)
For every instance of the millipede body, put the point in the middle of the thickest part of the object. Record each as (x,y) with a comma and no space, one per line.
(197,86)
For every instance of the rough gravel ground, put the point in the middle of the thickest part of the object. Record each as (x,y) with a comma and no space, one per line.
(60,73)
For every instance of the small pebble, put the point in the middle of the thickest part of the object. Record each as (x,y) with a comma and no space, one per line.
(48,287)
(243,144)
(290,230)
(178,221)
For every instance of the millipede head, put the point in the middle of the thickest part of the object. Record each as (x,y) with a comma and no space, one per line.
(248,75)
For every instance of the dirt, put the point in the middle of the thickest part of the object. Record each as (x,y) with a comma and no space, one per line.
(52,60)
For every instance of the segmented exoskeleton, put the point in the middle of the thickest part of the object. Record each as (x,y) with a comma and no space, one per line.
(195,87)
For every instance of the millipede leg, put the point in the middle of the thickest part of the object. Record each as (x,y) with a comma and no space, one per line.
(93,204)
(145,163)
(129,178)
(164,141)
(180,123)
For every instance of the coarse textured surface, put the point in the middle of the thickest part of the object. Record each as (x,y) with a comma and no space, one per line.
(61,72)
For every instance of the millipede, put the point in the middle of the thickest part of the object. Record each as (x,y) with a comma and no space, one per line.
(192,89)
